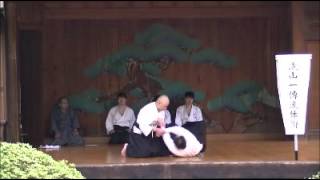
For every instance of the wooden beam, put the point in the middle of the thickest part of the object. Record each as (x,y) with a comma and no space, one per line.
(313,114)
(3,105)
(13,121)
(175,13)
(298,27)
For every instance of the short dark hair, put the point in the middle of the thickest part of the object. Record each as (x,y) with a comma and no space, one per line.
(59,101)
(122,94)
(61,98)
(179,141)
(189,94)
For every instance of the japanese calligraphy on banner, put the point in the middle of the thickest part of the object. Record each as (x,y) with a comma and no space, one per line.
(293,75)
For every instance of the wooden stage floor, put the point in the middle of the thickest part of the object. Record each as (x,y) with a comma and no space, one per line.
(217,151)
(225,158)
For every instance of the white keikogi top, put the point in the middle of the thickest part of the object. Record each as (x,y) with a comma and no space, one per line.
(147,116)
(115,118)
(182,116)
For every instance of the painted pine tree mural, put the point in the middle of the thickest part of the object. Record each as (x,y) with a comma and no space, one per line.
(144,61)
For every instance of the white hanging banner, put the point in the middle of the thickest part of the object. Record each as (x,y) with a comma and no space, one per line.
(293,75)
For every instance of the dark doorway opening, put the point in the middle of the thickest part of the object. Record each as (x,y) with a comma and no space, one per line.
(29,58)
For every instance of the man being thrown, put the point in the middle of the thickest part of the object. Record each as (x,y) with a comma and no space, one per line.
(190,117)
(145,139)
(181,142)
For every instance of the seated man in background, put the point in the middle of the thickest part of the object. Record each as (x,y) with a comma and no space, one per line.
(190,117)
(119,121)
(65,124)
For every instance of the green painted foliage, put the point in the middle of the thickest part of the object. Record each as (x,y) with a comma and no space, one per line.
(155,42)
(266,98)
(148,49)
(95,69)
(87,101)
(136,92)
(242,96)
(176,89)
(151,69)
(243,87)
(117,67)
(160,50)
(160,33)
(213,57)
(133,51)
(137,105)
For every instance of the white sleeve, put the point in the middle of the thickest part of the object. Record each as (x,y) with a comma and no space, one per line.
(180,131)
(178,120)
(168,117)
(109,121)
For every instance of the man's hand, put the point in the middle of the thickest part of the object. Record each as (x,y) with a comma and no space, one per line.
(160,122)
(160,132)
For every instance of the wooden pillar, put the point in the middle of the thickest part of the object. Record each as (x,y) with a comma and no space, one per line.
(313,115)
(2,78)
(298,25)
(12,86)
(312,41)
(303,45)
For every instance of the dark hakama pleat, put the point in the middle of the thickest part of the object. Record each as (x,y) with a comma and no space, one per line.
(198,128)
(120,136)
(146,146)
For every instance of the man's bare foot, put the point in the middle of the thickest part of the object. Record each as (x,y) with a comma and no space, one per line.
(124,150)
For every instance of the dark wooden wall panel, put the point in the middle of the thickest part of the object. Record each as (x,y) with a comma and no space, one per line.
(313,117)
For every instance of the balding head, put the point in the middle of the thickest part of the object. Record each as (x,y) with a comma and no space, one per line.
(162,102)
